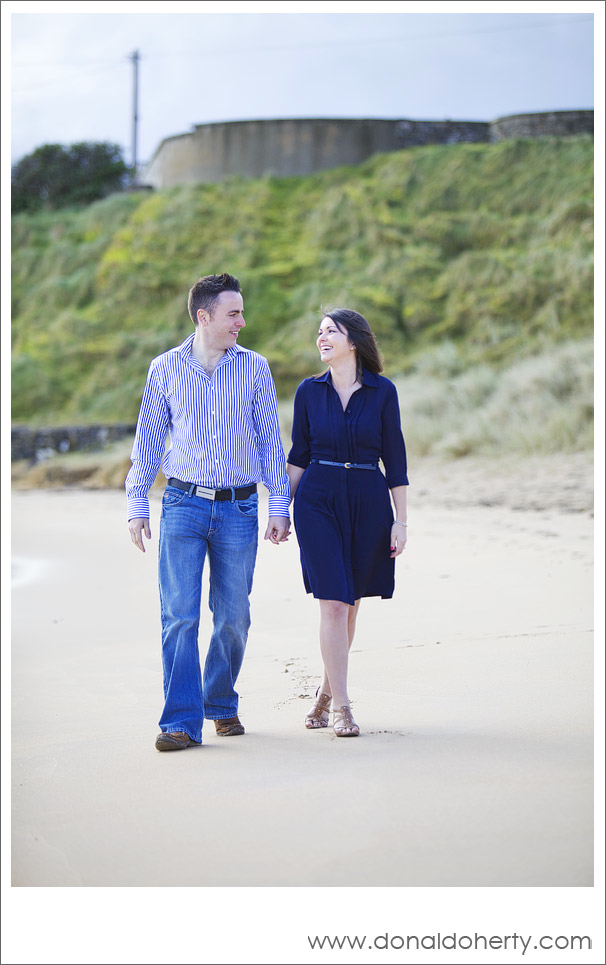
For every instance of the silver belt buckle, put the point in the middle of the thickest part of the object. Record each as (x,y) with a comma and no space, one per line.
(204,492)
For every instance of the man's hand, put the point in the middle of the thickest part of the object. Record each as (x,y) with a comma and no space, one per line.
(136,528)
(278,529)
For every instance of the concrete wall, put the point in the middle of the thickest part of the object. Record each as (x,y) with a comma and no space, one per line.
(212,152)
(291,147)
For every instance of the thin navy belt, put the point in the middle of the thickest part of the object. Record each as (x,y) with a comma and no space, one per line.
(220,494)
(346,465)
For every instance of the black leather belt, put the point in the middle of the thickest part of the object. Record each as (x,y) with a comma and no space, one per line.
(346,465)
(219,494)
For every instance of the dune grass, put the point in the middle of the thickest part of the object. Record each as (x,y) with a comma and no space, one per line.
(473,264)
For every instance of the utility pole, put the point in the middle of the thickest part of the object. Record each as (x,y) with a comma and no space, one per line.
(135,59)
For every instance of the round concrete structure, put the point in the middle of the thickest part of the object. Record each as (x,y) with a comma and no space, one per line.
(287,147)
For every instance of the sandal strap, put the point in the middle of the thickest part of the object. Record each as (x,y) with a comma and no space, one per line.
(320,707)
(343,718)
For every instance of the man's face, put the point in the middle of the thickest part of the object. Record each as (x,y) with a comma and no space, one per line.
(222,327)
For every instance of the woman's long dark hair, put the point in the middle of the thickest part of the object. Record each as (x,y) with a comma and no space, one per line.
(361,337)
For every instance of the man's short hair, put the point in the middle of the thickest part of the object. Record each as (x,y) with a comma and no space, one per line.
(205,293)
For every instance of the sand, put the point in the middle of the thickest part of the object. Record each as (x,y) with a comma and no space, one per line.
(472,687)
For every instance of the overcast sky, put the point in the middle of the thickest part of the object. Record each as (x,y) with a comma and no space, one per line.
(72,76)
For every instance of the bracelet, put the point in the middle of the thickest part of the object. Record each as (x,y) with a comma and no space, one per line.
(400,523)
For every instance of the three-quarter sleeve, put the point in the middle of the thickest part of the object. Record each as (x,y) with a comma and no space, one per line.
(300,452)
(394,449)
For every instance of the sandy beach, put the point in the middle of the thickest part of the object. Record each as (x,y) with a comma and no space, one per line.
(472,687)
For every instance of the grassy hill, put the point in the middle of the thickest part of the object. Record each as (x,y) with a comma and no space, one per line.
(468,260)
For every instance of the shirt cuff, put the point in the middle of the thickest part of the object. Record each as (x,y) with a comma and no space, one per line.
(278,506)
(138,507)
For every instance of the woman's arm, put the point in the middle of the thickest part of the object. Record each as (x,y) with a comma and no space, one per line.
(294,474)
(398,530)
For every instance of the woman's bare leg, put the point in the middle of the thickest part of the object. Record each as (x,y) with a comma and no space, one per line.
(352,614)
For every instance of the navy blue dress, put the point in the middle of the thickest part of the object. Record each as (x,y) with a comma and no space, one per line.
(343,517)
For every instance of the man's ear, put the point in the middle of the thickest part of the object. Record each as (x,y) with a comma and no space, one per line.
(203,318)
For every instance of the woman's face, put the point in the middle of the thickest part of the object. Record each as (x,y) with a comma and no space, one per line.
(333,344)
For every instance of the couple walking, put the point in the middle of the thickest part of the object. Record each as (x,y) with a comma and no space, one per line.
(217,403)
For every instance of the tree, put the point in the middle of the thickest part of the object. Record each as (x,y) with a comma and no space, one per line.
(55,176)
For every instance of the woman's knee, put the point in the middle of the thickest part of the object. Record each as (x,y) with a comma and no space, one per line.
(335,609)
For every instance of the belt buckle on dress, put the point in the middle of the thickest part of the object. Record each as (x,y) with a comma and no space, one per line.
(347,465)
(204,492)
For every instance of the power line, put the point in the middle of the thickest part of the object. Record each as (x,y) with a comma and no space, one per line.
(342,42)
(369,41)
(315,45)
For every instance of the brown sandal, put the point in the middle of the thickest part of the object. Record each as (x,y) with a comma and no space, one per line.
(343,723)
(318,715)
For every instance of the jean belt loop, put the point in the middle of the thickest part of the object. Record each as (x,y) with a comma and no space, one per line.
(191,489)
(233,494)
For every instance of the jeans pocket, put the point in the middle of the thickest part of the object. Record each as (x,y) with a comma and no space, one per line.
(248,507)
(172,496)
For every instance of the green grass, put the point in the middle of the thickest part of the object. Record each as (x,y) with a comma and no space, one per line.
(474,256)
(540,404)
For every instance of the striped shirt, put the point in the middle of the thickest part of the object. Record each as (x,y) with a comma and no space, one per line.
(223,430)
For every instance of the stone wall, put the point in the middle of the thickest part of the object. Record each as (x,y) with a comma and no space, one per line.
(296,146)
(549,124)
(418,133)
(38,444)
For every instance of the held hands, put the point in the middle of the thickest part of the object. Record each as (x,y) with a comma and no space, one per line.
(278,529)
(398,539)
(136,528)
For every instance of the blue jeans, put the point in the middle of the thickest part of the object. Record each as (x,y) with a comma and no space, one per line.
(191,527)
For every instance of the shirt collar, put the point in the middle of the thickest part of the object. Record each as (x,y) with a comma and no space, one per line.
(185,350)
(368,378)
(185,347)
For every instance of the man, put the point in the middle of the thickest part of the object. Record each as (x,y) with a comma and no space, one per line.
(218,402)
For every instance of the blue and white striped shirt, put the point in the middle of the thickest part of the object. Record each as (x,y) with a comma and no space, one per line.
(223,430)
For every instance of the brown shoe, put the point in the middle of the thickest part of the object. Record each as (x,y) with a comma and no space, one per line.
(176,741)
(229,727)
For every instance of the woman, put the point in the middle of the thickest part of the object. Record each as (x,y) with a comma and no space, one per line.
(344,422)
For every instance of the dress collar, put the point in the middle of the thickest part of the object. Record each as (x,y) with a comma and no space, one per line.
(368,378)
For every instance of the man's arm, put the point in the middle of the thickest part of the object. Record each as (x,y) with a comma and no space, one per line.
(146,457)
(271,454)
(275,529)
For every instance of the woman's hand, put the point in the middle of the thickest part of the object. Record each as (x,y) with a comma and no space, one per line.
(398,539)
